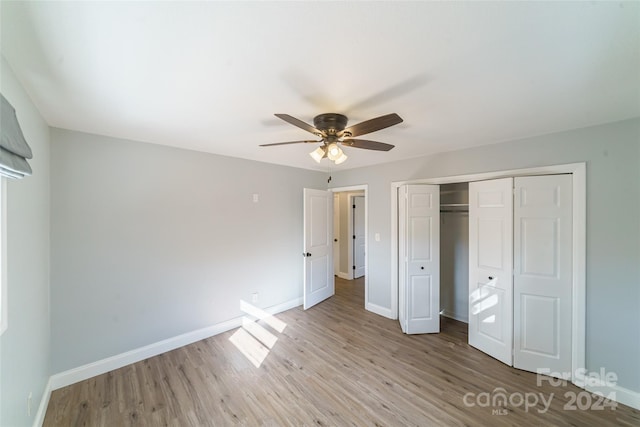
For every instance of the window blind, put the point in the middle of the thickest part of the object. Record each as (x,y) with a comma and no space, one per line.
(14,150)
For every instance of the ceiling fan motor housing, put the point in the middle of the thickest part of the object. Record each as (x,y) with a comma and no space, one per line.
(331,123)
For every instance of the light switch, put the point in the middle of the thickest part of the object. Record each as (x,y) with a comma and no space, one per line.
(256,198)
(377,237)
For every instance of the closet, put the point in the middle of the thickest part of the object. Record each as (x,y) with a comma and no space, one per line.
(496,254)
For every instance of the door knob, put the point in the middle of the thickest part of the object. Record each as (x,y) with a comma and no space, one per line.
(421,268)
(307,254)
(490,277)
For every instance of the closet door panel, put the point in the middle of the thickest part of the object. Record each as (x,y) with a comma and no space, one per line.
(490,267)
(543,273)
(419,253)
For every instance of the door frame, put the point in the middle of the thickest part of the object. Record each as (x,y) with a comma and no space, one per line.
(579,249)
(365,188)
(336,223)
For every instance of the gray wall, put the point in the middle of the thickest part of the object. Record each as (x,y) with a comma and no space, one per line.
(24,346)
(152,242)
(612,154)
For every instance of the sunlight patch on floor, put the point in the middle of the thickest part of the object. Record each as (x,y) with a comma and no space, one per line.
(252,349)
(259,333)
(252,339)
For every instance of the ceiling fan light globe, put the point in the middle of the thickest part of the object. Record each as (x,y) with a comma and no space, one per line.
(341,159)
(333,151)
(317,154)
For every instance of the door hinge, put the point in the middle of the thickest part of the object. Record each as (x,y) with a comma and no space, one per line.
(354,206)
(354,236)
(354,267)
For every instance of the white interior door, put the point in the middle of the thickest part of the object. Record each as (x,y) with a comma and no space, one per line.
(359,241)
(318,243)
(491,267)
(419,258)
(543,273)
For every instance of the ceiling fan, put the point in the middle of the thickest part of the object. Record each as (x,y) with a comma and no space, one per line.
(332,131)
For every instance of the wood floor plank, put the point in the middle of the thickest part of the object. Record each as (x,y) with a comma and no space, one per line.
(333,365)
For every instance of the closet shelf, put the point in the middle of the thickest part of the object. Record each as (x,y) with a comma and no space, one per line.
(462,190)
(462,208)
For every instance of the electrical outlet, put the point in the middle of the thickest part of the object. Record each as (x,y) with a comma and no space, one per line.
(254,297)
(29,399)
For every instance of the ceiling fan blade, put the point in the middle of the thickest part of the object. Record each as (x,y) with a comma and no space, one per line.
(291,142)
(373,125)
(367,145)
(299,123)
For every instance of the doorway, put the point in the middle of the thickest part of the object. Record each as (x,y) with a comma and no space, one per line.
(578,213)
(350,240)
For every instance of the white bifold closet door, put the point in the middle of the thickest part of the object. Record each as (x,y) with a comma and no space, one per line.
(520,271)
(419,258)
(543,273)
(491,267)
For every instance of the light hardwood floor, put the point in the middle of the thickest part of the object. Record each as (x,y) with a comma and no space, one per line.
(333,365)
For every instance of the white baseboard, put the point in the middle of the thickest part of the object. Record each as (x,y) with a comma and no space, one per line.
(619,394)
(99,367)
(454,316)
(44,403)
(344,276)
(382,311)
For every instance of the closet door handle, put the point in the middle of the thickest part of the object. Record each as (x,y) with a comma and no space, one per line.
(490,277)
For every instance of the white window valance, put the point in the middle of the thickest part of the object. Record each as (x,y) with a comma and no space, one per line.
(14,150)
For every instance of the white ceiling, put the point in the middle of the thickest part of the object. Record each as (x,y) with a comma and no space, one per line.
(209,76)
